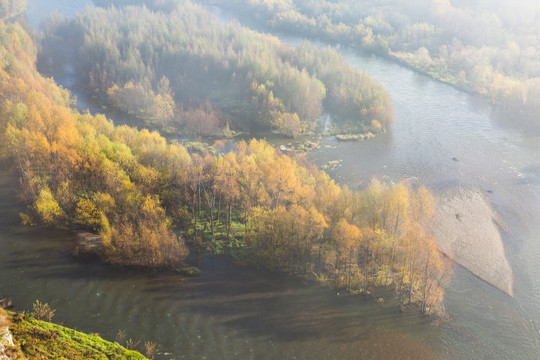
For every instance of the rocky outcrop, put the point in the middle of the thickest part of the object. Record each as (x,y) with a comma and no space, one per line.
(467,230)
(6,340)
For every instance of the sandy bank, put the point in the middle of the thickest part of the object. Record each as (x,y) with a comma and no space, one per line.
(468,231)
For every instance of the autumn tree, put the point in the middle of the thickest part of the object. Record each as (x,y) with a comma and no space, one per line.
(87,215)
(227,185)
(347,238)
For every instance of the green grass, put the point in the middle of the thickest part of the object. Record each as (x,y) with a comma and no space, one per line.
(42,340)
(217,243)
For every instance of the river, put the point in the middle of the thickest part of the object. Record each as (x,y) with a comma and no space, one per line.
(238,313)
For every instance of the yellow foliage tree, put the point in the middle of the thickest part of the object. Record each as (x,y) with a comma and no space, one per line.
(87,215)
(47,208)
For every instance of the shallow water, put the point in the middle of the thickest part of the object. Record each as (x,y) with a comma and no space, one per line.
(238,313)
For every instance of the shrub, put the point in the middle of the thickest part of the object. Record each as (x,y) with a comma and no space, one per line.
(42,311)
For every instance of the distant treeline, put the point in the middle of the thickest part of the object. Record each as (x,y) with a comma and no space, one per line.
(11,8)
(158,5)
(183,68)
(136,190)
(489,47)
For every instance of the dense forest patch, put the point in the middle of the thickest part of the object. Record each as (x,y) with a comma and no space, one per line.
(489,47)
(183,69)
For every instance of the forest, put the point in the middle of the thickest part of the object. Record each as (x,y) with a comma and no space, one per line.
(150,200)
(182,69)
(488,47)
(11,8)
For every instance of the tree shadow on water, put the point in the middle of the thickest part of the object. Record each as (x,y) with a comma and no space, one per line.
(258,303)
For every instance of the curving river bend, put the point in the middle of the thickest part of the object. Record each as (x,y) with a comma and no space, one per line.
(237,313)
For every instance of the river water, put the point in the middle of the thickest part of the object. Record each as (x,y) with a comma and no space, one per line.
(237,313)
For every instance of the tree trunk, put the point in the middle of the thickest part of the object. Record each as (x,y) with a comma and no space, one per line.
(229,210)
(365,270)
(211,201)
(195,216)
(212,219)
(425,282)
(219,209)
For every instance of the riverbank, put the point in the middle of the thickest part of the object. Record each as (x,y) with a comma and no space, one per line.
(22,336)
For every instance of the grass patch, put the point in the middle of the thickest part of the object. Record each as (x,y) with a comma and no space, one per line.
(218,243)
(38,339)
(354,137)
